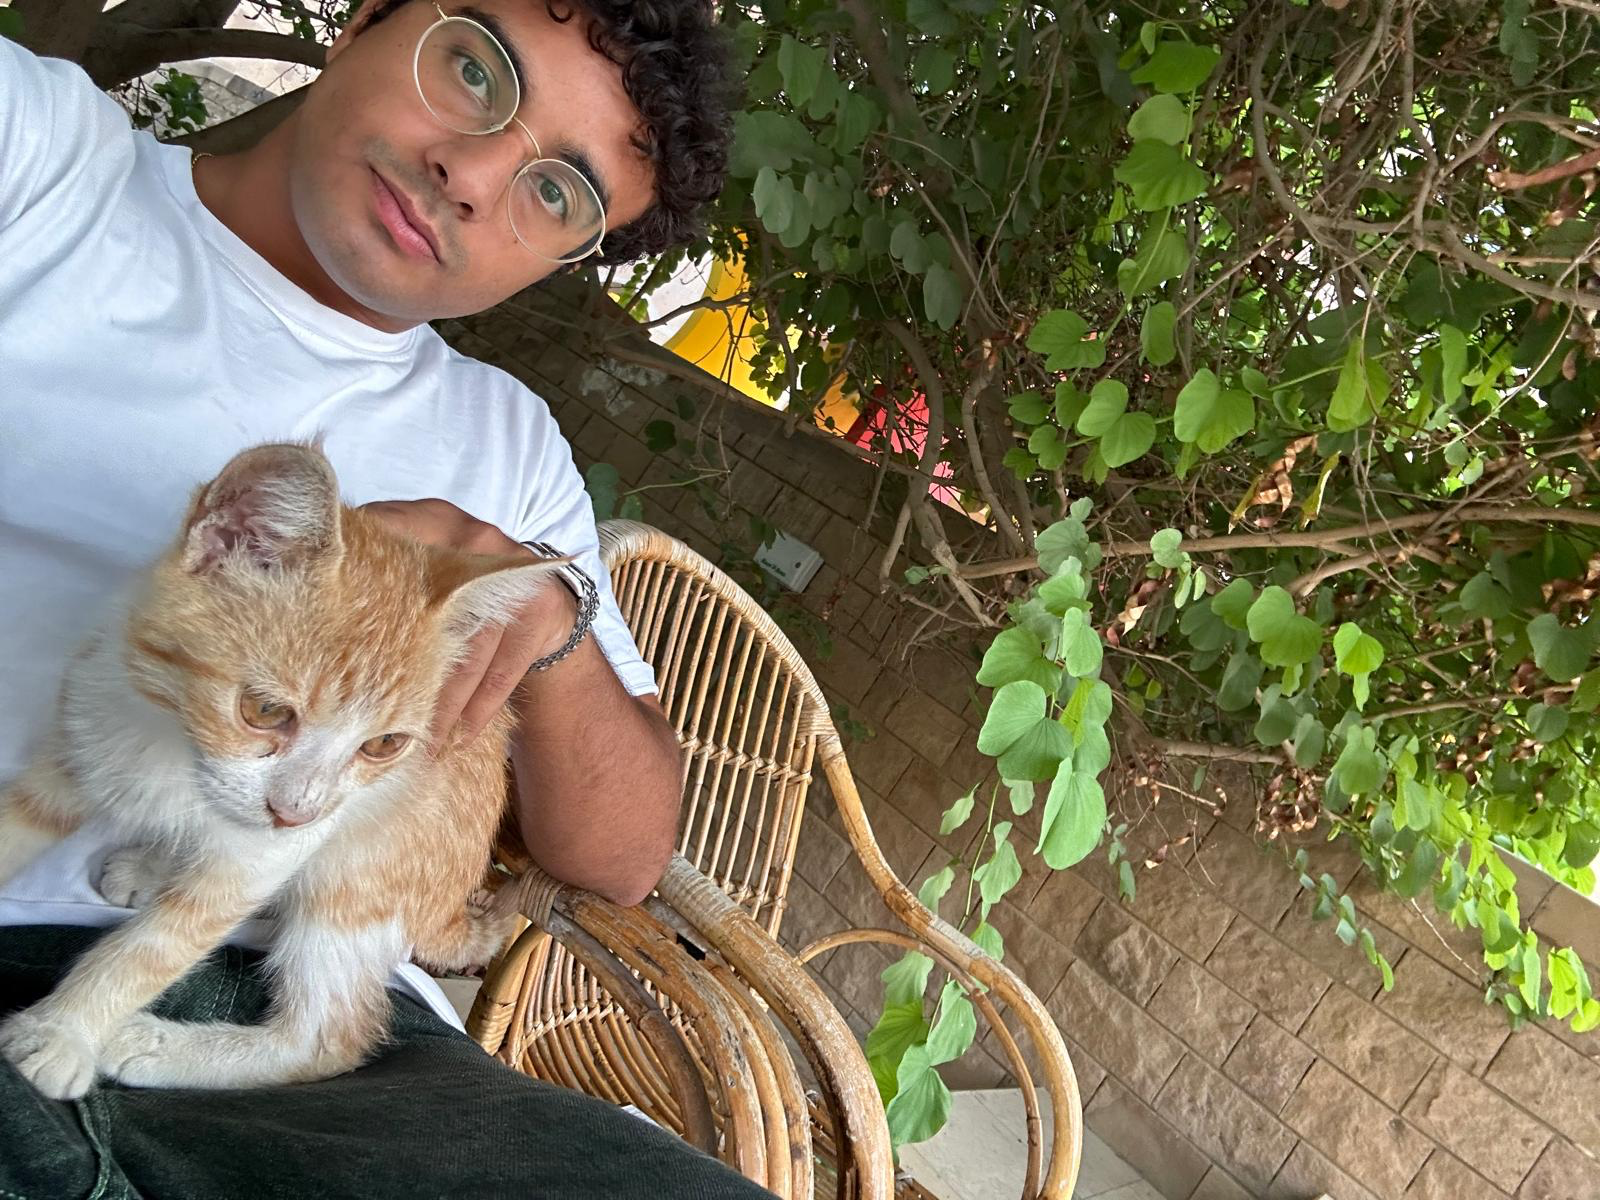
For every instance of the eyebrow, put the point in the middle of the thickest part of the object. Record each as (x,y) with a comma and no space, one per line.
(578,159)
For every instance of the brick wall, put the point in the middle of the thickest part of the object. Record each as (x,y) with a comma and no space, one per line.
(1225,1045)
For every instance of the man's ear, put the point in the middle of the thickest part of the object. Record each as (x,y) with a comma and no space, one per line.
(272,506)
(356,25)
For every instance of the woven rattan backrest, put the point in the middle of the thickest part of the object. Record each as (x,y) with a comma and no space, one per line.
(747,710)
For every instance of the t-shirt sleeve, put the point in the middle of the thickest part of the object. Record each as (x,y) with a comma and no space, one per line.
(563,517)
(56,130)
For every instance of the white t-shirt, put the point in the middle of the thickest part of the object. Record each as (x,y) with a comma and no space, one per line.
(142,345)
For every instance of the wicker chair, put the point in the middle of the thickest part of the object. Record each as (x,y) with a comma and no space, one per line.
(671,1006)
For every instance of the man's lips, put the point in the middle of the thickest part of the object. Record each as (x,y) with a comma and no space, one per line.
(399,216)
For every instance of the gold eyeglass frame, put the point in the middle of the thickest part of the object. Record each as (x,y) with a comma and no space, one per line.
(538,154)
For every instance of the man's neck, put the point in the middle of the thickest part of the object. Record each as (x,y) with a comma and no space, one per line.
(249,193)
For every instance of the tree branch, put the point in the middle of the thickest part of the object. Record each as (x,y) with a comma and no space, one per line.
(1508,181)
(1485,513)
(118,58)
(1208,750)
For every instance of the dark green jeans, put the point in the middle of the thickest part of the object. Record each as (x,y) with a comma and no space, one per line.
(430,1116)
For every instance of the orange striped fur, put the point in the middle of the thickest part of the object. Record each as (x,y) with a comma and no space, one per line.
(275,597)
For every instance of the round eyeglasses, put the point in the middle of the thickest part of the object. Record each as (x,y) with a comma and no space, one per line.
(466,80)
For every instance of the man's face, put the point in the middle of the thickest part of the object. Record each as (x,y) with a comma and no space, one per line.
(366,147)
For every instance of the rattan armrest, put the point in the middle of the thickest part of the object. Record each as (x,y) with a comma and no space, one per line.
(861,1134)
(968,962)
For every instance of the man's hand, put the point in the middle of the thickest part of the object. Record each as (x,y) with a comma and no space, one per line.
(498,656)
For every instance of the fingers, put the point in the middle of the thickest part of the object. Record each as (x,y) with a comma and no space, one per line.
(458,690)
(519,645)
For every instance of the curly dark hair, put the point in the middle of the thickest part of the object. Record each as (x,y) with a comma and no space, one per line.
(675,69)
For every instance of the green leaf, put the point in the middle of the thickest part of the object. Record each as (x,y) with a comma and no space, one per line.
(921,1104)
(1017,653)
(907,244)
(858,117)
(988,939)
(1359,395)
(1160,176)
(1310,739)
(1081,651)
(900,1027)
(1060,541)
(1586,697)
(905,979)
(1036,754)
(10,24)
(801,66)
(1074,815)
(1020,794)
(1162,118)
(1240,678)
(601,481)
(768,139)
(1360,769)
(1286,637)
(1483,597)
(1233,602)
(956,815)
(941,295)
(1045,444)
(1070,403)
(1177,67)
(1062,336)
(1107,402)
(1015,709)
(1547,723)
(934,887)
(1165,548)
(1162,255)
(1278,719)
(1001,873)
(1155,334)
(774,197)
(1453,362)
(660,436)
(631,508)
(1210,416)
(1020,463)
(1129,439)
(1028,408)
(1560,653)
(952,1033)
(1582,845)
(1088,706)
(1357,655)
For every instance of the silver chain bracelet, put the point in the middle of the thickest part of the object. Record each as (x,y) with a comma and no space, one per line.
(576,578)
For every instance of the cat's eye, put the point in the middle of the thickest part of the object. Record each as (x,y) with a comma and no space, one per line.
(385,746)
(258,712)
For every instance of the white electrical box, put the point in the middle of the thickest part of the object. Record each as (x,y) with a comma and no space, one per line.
(790,561)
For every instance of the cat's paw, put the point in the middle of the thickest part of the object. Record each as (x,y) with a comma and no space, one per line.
(131,877)
(136,1054)
(55,1056)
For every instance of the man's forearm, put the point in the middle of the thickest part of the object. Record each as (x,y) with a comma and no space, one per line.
(599,777)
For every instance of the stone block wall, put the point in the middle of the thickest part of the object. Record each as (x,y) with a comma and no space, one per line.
(1225,1045)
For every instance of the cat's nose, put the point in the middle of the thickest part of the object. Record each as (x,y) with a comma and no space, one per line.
(290,817)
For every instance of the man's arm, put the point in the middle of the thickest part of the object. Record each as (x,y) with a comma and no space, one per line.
(598,770)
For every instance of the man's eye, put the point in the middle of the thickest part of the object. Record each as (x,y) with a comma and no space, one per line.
(474,75)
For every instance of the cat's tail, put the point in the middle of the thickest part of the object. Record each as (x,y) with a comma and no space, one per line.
(470,937)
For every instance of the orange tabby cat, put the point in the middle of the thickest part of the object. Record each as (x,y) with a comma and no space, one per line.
(253,720)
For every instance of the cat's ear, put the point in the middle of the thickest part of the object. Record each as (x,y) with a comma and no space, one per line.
(477,591)
(278,505)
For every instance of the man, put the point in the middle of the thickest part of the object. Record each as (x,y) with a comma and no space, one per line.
(156,316)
